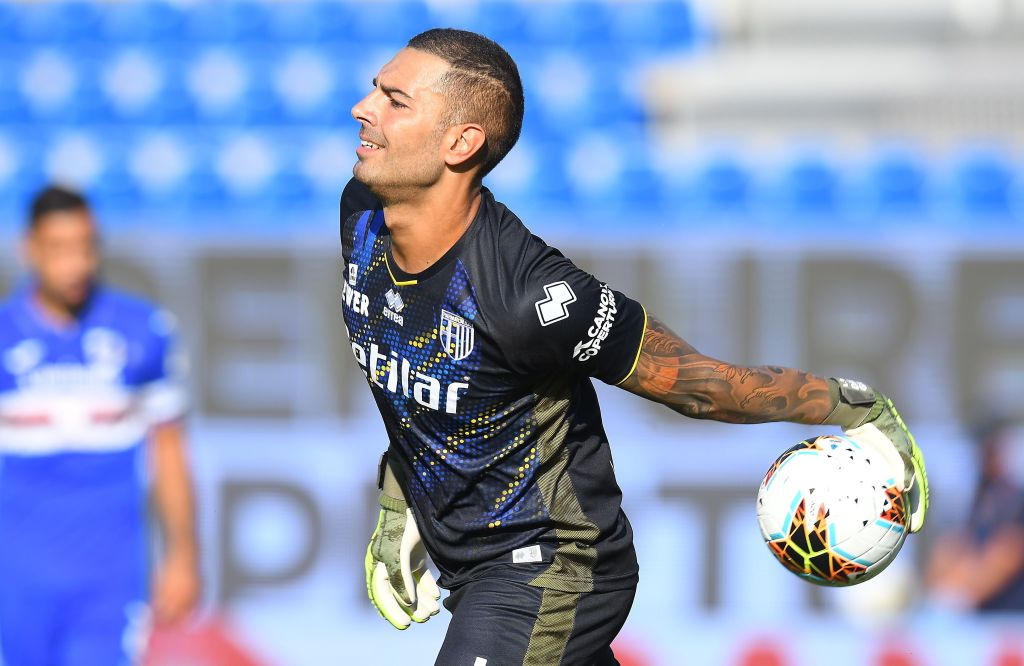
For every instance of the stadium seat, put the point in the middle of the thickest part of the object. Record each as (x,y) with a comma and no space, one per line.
(657,25)
(723,185)
(13,107)
(47,80)
(897,184)
(809,186)
(19,170)
(226,103)
(217,22)
(53,23)
(984,181)
(159,164)
(142,23)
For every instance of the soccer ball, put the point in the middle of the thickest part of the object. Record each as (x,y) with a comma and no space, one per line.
(831,512)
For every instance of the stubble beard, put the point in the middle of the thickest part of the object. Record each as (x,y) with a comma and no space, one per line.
(401,179)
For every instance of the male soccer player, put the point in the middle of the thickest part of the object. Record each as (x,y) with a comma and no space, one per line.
(88,376)
(478,342)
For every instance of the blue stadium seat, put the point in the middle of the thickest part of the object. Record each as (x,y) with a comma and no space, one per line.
(568,24)
(371,22)
(240,22)
(202,188)
(309,87)
(114,189)
(53,22)
(48,80)
(656,25)
(809,186)
(897,183)
(504,21)
(305,22)
(132,82)
(723,185)
(145,23)
(984,181)
(13,108)
(218,80)
(20,172)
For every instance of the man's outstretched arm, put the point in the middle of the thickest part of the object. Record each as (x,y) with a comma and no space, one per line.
(670,371)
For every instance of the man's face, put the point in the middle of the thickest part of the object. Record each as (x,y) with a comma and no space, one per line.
(401,125)
(62,251)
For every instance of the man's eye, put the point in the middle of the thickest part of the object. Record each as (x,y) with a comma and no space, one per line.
(396,104)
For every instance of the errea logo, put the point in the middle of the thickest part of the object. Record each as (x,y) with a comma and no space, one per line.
(554,307)
(394,306)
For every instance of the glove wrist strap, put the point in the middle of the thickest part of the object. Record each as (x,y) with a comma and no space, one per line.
(392,503)
(853,403)
(391,496)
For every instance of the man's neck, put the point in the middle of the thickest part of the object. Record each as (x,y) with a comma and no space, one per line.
(55,311)
(423,229)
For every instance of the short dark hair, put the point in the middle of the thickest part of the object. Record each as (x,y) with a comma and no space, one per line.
(482,86)
(55,199)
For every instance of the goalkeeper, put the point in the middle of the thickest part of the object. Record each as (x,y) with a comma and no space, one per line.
(479,342)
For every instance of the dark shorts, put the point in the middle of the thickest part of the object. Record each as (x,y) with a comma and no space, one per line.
(505,623)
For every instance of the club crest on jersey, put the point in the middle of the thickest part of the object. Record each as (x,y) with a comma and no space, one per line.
(353,272)
(457,335)
(105,347)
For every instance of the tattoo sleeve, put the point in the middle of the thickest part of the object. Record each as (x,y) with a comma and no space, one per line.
(672,372)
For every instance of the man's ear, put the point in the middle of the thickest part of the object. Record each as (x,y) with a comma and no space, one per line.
(464,146)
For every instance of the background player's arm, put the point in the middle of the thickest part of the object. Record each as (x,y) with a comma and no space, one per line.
(670,371)
(177,584)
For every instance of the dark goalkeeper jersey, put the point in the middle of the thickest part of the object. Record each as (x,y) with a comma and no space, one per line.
(481,366)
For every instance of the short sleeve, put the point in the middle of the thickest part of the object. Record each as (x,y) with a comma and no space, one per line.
(163,393)
(573,323)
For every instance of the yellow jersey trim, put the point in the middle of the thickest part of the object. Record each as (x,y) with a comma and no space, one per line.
(636,360)
(399,283)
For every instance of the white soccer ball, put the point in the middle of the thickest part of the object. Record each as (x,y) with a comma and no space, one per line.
(832,512)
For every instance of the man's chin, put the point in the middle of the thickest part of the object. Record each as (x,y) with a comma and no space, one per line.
(364,176)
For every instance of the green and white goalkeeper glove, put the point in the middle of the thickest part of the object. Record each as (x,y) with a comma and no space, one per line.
(397,579)
(870,418)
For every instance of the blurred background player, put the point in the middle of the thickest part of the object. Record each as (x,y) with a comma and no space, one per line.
(91,394)
(980,566)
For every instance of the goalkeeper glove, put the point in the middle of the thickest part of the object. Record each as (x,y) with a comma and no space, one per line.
(870,418)
(397,579)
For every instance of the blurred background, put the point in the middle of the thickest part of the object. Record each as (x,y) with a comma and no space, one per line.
(835,186)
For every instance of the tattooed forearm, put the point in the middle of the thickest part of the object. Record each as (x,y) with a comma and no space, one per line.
(672,372)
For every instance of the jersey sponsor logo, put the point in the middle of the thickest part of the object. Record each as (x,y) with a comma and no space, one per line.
(394,306)
(63,376)
(596,334)
(394,300)
(457,335)
(397,375)
(354,300)
(554,307)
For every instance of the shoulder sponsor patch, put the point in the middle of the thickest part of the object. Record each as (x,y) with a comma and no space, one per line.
(554,307)
(602,326)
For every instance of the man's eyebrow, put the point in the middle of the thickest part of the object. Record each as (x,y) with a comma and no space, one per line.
(392,91)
